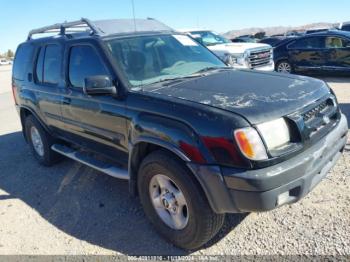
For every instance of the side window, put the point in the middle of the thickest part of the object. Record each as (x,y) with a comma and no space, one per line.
(40,65)
(336,42)
(346,28)
(308,43)
(52,64)
(84,62)
(48,65)
(23,58)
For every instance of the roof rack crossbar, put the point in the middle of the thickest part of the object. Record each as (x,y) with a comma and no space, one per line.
(61,28)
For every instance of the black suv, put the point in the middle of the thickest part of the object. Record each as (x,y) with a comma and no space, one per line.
(195,139)
(327,51)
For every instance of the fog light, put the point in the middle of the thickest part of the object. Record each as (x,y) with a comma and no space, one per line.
(283,198)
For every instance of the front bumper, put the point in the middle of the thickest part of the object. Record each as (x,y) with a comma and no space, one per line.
(232,190)
(267,68)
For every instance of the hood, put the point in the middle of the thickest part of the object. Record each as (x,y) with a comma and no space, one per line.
(257,96)
(236,48)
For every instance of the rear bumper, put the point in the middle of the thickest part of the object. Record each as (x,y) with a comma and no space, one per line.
(232,190)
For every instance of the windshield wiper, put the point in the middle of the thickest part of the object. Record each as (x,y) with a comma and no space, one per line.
(195,74)
(177,78)
(211,68)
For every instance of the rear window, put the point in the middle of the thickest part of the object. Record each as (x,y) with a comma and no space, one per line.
(23,58)
(48,65)
(308,43)
(52,64)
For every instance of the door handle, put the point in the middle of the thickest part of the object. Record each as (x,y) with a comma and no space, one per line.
(66,100)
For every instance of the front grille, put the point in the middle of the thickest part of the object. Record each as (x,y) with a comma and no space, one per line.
(260,58)
(314,111)
(320,117)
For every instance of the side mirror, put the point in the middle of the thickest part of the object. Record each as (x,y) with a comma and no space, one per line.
(99,85)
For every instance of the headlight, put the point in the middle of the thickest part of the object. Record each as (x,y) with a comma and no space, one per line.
(275,133)
(250,143)
(233,60)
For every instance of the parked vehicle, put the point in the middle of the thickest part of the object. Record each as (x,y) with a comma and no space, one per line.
(244,39)
(316,30)
(320,52)
(345,26)
(4,61)
(294,33)
(272,41)
(238,55)
(195,139)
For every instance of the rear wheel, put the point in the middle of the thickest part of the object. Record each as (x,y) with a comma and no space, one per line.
(284,67)
(174,202)
(40,142)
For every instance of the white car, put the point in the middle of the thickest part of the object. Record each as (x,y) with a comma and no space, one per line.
(238,55)
(4,62)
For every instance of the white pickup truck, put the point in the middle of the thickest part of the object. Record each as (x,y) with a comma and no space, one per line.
(238,55)
(4,62)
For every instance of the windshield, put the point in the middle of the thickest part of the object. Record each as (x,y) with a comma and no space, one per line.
(209,38)
(150,59)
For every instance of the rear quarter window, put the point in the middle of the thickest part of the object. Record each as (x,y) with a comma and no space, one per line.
(23,59)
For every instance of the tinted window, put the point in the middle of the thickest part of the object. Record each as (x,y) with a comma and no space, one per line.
(308,43)
(52,64)
(39,66)
(84,62)
(336,42)
(22,60)
(346,28)
(48,65)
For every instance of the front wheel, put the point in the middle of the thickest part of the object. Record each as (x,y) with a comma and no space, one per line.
(174,202)
(284,67)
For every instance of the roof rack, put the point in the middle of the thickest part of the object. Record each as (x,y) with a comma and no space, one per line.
(60,28)
(104,27)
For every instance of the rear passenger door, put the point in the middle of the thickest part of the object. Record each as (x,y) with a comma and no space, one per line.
(94,122)
(49,84)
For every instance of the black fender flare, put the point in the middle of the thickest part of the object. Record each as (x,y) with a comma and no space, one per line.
(33,113)
(162,132)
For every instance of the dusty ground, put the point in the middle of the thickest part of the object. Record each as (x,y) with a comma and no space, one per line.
(71,209)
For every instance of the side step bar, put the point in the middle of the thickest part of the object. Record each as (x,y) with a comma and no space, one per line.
(85,159)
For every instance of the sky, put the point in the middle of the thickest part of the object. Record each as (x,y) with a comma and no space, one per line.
(18,17)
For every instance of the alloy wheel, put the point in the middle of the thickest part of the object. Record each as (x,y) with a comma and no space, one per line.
(37,141)
(284,67)
(169,202)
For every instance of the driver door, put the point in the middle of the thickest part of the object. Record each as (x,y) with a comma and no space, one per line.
(94,122)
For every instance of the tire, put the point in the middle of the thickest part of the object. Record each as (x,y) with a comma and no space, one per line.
(202,223)
(46,156)
(284,66)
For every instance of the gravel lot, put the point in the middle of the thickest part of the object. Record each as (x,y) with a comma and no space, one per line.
(71,209)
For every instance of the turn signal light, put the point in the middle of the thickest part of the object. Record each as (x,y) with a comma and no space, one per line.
(250,143)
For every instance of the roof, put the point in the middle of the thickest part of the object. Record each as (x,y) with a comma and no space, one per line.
(122,26)
(103,27)
(330,33)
